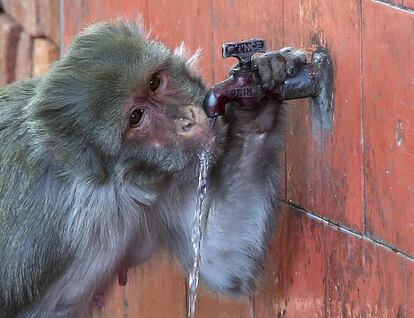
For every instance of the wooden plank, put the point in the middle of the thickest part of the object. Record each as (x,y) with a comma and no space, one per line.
(362,278)
(80,13)
(293,284)
(324,158)
(190,24)
(155,289)
(211,305)
(409,265)
(243,19)
(388,124)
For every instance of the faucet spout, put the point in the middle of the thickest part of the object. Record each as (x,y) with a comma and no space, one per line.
(245,87)
(242,87)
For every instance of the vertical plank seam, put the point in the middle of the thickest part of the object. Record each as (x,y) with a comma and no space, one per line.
(285,135)
(186,305)
(125,304)
(405,286)
(252,310)
(212,26)
(325,268)
(61,27)
(283,23)
(362,110)
(147,10)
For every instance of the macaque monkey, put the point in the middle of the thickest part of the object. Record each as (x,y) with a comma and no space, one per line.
(98,169)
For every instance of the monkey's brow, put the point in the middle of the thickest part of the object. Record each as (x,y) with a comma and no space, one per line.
(162,66)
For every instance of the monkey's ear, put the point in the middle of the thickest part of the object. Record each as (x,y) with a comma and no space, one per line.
(190,61)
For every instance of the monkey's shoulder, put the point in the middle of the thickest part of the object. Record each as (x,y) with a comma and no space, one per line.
(18,92)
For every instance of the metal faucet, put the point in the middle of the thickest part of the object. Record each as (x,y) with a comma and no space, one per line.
(245,87)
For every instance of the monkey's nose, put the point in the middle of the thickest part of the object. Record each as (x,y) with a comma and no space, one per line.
(186,123)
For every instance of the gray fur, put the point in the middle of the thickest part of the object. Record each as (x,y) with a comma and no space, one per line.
(77,202)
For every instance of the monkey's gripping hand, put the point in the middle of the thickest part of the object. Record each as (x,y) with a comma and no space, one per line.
(274,68)
(243,186)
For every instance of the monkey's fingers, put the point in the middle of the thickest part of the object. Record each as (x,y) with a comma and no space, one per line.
(294,60)
(263,62)
(275,67)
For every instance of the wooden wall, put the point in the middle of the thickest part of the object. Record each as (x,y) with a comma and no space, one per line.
(345,244)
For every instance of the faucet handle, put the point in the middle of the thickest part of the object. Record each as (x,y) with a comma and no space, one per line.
(244,50)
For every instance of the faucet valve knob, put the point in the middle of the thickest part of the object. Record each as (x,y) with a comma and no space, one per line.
(243,51)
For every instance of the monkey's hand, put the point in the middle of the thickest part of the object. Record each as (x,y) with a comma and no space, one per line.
(274,68)
(244,186)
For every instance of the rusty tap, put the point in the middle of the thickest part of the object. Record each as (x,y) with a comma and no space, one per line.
(245,87)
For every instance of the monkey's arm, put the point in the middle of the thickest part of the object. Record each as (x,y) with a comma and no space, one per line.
(242,190)
(240,208)
(242,211)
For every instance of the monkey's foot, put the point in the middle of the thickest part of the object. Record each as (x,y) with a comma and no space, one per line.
(123,276)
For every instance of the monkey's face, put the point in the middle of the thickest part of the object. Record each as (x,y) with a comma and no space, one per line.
(146,100)
(127,97)
(164,123)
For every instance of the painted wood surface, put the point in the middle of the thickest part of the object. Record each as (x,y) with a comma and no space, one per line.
(348,190)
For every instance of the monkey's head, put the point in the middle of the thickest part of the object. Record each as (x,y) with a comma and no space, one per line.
(127,97)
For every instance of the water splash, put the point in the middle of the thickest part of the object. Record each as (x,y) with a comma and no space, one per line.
(197,232)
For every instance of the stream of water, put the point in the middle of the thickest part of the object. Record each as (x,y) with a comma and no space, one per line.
(197,232)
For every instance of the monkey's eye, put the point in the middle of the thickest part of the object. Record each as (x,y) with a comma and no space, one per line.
(155,82)
(136,117)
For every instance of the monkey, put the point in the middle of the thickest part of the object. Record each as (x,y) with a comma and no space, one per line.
(98,169)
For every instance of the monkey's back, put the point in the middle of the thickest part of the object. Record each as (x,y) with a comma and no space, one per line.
(14,148)
(23,211)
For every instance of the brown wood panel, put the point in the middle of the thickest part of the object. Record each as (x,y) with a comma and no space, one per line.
(190,24)
(324,166)
(293,284)
(80,13)
(211,305)
(155,289)
(388,124)
(324,163)
(244,19)
(363,279)
(409,264)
